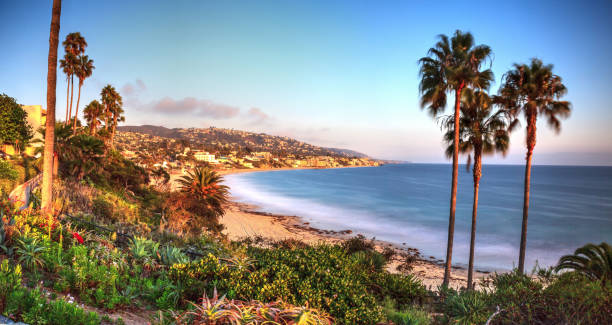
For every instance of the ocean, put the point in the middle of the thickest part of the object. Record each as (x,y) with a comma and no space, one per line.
(409,203)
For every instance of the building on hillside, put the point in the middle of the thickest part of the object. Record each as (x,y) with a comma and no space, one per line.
(37,117)
(205,156)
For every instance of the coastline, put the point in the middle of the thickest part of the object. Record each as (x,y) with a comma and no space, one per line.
(243,221)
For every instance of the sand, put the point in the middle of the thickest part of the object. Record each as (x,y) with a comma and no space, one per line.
(242,221)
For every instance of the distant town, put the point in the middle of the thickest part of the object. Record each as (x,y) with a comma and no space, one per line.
(179,150)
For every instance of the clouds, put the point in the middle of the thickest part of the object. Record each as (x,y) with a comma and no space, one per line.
(130,89)
(194,107)
(256,116)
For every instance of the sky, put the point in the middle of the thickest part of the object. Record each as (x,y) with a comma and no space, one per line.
(331,73)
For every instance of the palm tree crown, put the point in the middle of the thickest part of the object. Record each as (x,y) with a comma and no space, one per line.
(594,261)
(84,69)
(480,132)
(205,183)
(92,112)
(452,65)
(75,44)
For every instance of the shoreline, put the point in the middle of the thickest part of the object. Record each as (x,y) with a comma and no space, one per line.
(249,221)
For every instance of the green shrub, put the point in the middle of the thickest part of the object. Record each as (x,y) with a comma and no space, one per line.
(466,307)
(325,277)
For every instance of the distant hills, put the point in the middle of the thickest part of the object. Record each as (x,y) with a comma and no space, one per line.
(239,140)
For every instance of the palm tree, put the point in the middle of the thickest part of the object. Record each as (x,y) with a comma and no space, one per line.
(47,194)
(68,64)
(112,102)
(74,45)
(204,184)
(594,261)
(532,90)
(92,112)
(83,71)
(480,132)
(451,66)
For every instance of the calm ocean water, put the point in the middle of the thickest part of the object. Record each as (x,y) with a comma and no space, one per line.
(569,206)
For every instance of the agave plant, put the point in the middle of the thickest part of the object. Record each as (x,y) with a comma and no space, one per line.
(169,255)
(29,251)
(594,261)
(217,310)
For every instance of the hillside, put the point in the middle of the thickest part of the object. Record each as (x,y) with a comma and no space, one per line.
(240,140)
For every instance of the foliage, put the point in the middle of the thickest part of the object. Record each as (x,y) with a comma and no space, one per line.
(7,171)
(594,261)
(466,307)
(411,315)
(14,128)
(217,310)
(357,244)
(32,307)
(324,276)
(29,252)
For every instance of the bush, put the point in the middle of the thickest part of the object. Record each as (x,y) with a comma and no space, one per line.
(32,307)
(324,277)
(466,307)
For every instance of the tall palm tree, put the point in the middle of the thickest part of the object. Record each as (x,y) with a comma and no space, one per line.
(112,102)
(594,261)
(83,71)
(68,64)
(532,89)
(449,67)
(481,132)
(92,112)
(75,45)
(47,186)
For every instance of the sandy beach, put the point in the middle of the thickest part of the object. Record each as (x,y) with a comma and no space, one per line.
(242,221)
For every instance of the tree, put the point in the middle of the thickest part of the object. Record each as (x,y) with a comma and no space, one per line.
(84,69)
(594,261)
(68,64)
(449,67)
(480,133)
(92,112)
(204,195)
(14,127)
(112,102)
(532,90)
(50,123)
(74,45)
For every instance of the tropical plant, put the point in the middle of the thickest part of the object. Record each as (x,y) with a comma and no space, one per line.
(113,111)
(29,252)
(481,132)
(169,255)
(451,66)
(47,179)
(533,90)
(68,65)
(204,193)
(84,69)
(74,45)
(92,113)
(217,310)
(594,261)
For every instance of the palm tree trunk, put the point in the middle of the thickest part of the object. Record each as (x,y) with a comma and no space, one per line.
(76,110)
(67,98)
(531,139)
(113,130)
(71,95)
(453,200)
(477,175)
(47,181)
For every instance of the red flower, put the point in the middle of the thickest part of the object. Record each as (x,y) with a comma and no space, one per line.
(78,237)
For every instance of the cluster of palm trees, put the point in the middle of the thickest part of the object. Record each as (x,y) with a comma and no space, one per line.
(108,110)
(75,63)
(481,123)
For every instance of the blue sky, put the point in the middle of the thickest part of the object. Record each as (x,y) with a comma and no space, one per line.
(333,73)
